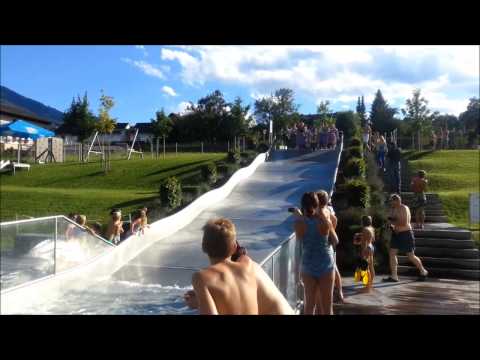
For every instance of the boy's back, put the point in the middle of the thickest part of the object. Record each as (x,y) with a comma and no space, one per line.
(230,287)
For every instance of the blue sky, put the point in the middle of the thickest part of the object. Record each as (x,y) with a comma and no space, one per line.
(143,79)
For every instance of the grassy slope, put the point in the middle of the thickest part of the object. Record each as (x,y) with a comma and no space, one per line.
(453,174)
(83,188)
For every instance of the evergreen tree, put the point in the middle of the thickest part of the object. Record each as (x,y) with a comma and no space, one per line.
(382,115)
(361,111)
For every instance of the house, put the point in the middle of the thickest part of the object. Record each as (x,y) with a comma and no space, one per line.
(10,112)
(120,134)
(145,132)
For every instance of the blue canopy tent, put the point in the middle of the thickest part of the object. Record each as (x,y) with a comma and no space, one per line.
(24,129)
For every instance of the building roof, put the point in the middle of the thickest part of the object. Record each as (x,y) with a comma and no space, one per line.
(21,113)
(122,126)
(144,127)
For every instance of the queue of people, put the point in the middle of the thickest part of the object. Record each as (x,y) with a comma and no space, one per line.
(310,138)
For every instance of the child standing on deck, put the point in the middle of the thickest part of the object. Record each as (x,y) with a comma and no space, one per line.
(365,239)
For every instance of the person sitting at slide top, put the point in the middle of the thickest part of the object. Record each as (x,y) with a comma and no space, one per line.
(233,284)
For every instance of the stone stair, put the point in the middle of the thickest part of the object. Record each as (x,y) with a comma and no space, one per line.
(446,251)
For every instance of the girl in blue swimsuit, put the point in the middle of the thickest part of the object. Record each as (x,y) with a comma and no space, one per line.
(317,266)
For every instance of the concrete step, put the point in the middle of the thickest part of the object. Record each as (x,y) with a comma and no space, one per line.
(433,203)
(440,252)
(411,194)
(435,213)
(459,234)
(445,243)
(436,219)
(441,273)
(447,263)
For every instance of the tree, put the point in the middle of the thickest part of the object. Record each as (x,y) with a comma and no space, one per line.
(361,111)
(208,117)
(238,121)
(418,116)
(348,122)
(161,125)
(382,115)
(470,120)
(446,121)
(78,120)
(279,107)
(325,114)
(105,124)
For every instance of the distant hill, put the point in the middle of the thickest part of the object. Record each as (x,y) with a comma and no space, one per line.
(32,106)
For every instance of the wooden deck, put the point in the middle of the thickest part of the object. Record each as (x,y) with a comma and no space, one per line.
(410,297)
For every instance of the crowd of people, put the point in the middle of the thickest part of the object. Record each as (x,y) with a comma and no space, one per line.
(115,230)
(311,138)
(235,284)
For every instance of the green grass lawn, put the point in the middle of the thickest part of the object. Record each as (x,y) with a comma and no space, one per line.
(453,174)
(83,188)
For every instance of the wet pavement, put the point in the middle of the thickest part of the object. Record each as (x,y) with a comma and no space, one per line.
(411,297)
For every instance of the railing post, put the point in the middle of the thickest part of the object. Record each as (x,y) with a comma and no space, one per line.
(202,147)
(176,149)
(55,247)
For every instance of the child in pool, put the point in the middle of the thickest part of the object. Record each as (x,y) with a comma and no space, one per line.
(140,223)
(365,239)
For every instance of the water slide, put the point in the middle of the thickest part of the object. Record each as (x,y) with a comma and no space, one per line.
(148,274)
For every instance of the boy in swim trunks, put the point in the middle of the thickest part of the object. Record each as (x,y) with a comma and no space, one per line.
(419,187)
(403,239)
(365,239)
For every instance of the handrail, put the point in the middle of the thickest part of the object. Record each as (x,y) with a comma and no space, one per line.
(56,217)
(292,235)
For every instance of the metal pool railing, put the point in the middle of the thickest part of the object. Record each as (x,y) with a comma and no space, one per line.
(283,263)
(35,248)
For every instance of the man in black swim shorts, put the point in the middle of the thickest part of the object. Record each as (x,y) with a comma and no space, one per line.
(402,239)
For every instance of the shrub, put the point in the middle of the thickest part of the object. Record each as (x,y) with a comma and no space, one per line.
(262,148)
(355,142)
(233,157)
(171,193)
(354,168)
(222,168)
(355,152)
(357,193)
(209,173)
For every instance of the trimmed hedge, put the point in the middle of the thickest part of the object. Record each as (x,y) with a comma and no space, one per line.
(209,173)
(354,168)
(357,193)
(262,148)
(355,142)
(355,152)
(171,193)
(233,157)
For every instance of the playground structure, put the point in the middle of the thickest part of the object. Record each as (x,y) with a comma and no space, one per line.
(132,148)
(90,148)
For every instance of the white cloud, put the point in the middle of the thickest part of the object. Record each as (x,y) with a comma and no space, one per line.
(337,73)
(143,49)
(145,67)
(182,107)
(169,91)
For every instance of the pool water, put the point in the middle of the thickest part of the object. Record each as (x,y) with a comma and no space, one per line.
(118,297)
